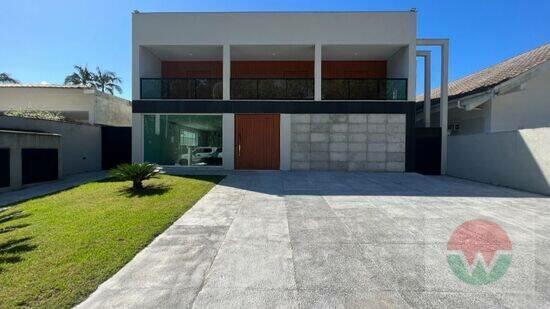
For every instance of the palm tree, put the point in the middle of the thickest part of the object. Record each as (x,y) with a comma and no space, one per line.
(107,81)
(81,76)
(5,78)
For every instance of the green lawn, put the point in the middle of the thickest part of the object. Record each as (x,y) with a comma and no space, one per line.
(56,250)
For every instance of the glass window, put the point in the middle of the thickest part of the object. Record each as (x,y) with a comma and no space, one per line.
(183,140)
(188,138)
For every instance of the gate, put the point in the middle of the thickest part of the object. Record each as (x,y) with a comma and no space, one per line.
(428,151)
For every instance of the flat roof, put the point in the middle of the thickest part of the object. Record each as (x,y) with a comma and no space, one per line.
(413,10)
(45,86)
(14,131)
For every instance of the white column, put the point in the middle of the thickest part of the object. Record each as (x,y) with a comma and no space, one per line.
(226,71)
(137,138)
(444,97)
(426,54)
(317,74)
(285,142)
(136,87)
(444,103)
(228,141)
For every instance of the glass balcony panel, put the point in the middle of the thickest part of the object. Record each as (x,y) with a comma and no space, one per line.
(272,89)
(151,88)
(364,89)
(396,89)
(335,89)
(299,89)
(208,89)
(244,89)
(181,88)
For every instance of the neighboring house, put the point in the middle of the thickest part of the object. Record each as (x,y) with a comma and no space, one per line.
(35,150)
(507,96)
(77,103)
(81,143)
(499,122)
(28,157)
(289,91)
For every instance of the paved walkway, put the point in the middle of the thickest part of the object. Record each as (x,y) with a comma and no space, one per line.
(328,239)
(7,198)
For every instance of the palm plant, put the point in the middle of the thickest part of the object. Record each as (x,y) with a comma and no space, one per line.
(5,78)
(81,76)
(107,81)
(136,173)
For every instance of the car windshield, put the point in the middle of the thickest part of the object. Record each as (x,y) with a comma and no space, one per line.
(203,150)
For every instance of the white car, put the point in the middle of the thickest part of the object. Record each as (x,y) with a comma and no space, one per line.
(199,154)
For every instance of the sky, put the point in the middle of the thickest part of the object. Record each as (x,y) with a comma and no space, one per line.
(41,40)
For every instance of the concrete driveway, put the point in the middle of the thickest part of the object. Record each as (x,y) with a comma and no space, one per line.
(330,239)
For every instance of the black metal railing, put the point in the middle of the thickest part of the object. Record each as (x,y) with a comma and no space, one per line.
(275,88)
(272,88)
(181,88)
(364,89)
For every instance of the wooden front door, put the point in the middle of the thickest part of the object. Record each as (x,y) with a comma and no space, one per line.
(257,141)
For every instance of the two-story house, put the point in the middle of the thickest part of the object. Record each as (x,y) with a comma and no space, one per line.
(289,91)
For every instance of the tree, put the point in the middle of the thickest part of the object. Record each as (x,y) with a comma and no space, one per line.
(137,173)
(5,78)
(107,81)
(81,76)
(104,81)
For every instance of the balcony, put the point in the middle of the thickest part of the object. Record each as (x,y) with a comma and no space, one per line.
(272,88)
(181,88)
(274,72)
(364,89)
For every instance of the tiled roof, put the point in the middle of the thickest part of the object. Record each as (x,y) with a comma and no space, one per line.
(43,86)
(495,74)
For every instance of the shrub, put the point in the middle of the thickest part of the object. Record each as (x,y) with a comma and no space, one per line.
(136,173)
(35,114)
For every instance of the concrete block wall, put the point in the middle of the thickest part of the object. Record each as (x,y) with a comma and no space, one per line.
(349,142)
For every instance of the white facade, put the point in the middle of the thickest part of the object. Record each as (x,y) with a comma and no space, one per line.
(391,35)
(315,37)
(76,103)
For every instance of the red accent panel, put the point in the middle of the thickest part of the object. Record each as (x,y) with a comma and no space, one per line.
(272,69)
(192,69)
(354,69)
